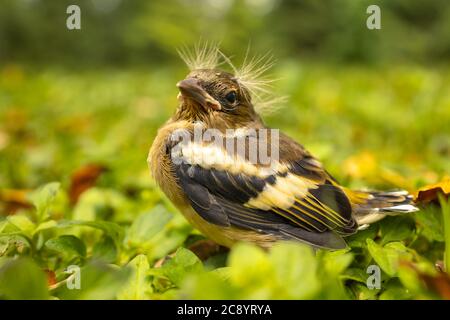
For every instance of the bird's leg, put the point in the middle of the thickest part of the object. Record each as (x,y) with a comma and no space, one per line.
(206,248)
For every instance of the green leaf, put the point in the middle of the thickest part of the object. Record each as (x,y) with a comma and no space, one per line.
(96,204)
(364,293)
(45,226)
(169,239)
(147,225)
(22,223)
(223,273)
(183,263)
(336,262)
(110,228)
(388,257)
(22,279)
(397,293)
(138,287)
(295,264)
(249,266)
(207,286)
(355,274)
(410,279)
(98,281)
(13,243)
(6,227)
(358,240)
(216,261)
(42,198)
(67,245)
(430,219)
(105,250)
(396,228)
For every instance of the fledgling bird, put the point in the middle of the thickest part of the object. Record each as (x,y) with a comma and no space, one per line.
(230,198)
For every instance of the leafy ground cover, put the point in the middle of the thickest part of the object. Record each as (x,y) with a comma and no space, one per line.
(75,189)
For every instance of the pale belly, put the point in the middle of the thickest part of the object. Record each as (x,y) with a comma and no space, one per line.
(226,236)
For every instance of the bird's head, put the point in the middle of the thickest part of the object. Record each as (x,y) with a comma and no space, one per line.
(215,96)
(211,92)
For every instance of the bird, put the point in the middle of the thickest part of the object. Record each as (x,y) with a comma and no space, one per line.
(233,197)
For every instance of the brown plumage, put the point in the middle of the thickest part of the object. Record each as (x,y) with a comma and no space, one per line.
(230,197)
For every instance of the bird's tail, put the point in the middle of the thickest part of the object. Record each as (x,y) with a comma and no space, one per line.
(371,206)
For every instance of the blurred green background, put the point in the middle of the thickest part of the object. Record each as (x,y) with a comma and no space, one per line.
(98,94)
(372,105)
(69,97)
(117,32)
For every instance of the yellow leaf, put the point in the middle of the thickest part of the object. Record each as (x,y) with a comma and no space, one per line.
(430,193)
(361,165)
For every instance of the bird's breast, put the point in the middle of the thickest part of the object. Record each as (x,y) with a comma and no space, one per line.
(160,162)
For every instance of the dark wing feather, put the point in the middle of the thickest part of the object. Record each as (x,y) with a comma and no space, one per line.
(302,202)
(224,212)
(219,198)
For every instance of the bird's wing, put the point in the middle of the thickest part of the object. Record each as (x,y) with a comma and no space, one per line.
(290,199)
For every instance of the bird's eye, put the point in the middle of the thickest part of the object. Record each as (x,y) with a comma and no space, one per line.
(231,97)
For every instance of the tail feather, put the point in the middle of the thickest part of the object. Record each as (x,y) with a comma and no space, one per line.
(372,206)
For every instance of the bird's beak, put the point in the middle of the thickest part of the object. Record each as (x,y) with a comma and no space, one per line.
(190,88)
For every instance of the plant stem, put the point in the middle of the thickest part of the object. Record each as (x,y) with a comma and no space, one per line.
(445,205)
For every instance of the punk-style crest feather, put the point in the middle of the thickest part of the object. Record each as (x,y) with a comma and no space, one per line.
(204,55)
(252,74)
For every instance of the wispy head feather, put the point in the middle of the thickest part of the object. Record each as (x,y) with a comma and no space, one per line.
(204,55)
(252,74)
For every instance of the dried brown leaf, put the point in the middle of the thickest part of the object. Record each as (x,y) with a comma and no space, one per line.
(430,193)
(83,179)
